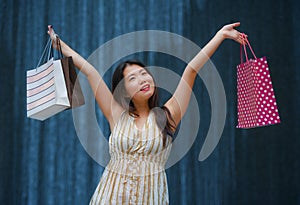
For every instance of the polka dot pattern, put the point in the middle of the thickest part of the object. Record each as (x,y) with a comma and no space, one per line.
(256,100)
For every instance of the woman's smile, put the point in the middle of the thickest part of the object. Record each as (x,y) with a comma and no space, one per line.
(145,88)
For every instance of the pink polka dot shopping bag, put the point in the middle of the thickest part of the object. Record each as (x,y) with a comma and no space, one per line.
(255,95)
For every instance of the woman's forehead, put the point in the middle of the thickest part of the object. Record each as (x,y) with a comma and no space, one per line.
(132,69)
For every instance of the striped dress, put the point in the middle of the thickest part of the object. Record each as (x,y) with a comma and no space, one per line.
(135,173)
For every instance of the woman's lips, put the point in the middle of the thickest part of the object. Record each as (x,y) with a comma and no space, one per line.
(145,88)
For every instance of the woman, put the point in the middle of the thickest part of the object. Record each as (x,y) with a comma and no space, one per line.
(141,133)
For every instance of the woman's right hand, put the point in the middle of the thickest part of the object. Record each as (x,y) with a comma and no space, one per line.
(54,37)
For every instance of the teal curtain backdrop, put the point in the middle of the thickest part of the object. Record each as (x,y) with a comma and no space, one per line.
(45,163)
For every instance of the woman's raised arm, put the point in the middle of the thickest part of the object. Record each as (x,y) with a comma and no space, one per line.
(102,93)
(178,103)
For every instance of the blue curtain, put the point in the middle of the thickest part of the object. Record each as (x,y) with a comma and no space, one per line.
(45,163)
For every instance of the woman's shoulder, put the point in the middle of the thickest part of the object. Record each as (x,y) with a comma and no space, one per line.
(123,117)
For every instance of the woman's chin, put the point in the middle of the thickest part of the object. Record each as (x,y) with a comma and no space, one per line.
(143,95)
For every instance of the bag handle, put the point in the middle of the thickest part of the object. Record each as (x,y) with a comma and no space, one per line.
(58,45)
(243,46)
(48,49)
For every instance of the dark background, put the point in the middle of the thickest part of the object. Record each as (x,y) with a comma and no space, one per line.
(44,162)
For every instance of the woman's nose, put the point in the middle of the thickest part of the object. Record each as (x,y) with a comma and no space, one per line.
(141,80)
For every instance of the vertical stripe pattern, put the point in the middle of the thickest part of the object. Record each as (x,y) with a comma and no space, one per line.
(135,173)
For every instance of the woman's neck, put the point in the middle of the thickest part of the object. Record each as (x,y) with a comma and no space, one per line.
(142,109)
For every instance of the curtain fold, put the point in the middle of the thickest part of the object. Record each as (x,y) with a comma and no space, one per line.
(45,163)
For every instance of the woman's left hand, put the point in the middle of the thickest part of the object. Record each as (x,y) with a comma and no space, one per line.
(229,32)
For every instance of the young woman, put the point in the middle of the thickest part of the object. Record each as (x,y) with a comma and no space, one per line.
(141,133)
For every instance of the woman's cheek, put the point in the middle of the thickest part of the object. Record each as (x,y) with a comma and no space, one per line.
(131,88)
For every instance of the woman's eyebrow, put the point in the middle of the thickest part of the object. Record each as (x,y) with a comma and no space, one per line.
(134,73)
(130,75)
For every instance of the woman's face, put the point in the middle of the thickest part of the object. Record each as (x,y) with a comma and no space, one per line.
(139,84)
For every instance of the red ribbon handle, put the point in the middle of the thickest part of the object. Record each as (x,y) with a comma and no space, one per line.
(245,43)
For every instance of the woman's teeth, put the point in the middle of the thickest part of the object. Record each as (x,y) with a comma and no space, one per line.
(145,88)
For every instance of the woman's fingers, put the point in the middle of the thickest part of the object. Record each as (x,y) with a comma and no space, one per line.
(52,35)
(243,38)
(236,24)
(240,36)
(51,31)
(231,26)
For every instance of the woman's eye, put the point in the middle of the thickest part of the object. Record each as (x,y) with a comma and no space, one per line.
(144,73)
(131,79)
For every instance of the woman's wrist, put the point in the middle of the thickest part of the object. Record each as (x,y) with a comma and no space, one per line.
(220,35)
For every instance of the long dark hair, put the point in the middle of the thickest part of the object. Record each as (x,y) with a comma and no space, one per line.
(164,120)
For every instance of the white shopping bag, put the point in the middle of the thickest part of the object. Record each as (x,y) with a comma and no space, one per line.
(46,90)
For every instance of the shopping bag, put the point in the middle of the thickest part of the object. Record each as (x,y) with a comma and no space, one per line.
(75,94)
(46,91)
(255,94)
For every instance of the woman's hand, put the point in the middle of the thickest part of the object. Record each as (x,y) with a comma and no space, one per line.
(229,32)
(53,36)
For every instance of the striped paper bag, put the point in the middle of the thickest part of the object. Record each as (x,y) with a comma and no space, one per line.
(46,90)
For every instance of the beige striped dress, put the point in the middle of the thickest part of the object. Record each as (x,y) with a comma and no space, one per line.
(135,173)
